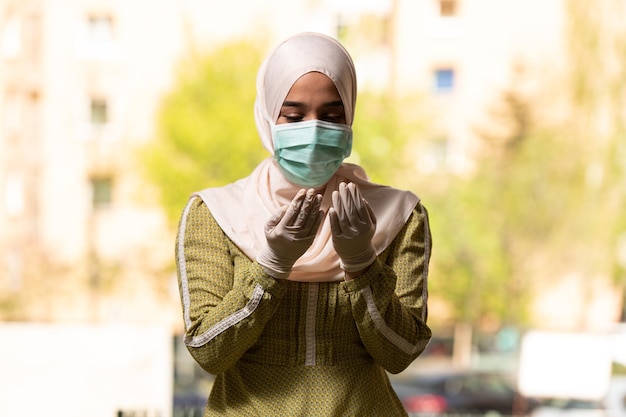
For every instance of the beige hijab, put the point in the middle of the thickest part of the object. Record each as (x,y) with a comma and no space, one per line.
(243,208)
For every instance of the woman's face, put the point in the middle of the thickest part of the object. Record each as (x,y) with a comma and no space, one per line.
(312,97)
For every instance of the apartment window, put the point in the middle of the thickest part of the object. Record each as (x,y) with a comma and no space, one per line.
(99,112)
(101,188)
(444,80)
(11,39)
(448,8)
(14,194)
(32,37)
(97,41)
(100,29)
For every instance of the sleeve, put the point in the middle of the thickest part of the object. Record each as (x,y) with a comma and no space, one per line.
(389,301)
(225,308)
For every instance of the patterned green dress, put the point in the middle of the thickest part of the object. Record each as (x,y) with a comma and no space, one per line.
(284,348)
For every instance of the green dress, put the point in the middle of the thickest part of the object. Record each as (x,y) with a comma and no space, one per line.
(285,348)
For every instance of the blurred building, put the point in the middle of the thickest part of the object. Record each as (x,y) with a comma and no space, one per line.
(80,84)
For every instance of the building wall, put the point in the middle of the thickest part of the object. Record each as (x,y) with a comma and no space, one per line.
(80,84)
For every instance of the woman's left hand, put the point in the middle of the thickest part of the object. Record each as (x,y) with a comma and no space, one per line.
(353,225)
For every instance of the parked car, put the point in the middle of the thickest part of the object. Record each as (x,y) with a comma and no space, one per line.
(189,404)
(463,392)
(571,408)
(613,404)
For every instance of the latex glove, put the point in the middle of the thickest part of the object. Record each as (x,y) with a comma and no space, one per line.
(353,224)
(290,233)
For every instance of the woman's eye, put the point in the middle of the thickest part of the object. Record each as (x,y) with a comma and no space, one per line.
(334,118)
(292,118)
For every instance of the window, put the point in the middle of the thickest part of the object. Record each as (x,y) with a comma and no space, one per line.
(447,8)
(444,18)
(14,194)
(96,40)
(101,188)
(444,80)
(11,39)
(99,112)
(100,30)
(32,34)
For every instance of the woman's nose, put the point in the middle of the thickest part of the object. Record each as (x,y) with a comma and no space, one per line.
(311,116)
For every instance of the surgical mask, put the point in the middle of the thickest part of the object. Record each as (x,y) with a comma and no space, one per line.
(310,152)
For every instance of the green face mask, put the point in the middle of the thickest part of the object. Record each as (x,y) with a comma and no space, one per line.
(309,153)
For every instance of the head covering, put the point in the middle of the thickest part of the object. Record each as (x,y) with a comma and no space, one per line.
(299,55)
(243,208)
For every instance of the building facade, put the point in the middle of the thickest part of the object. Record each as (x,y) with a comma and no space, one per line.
(80,84)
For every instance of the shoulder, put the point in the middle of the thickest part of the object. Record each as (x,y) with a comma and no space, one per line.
(196,212)
(418,217)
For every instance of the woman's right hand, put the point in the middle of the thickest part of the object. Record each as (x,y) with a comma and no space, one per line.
(290,233)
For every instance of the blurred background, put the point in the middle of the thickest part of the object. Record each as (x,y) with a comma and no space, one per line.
(507,118)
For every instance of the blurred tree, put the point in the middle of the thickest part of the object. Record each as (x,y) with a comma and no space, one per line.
(547,197)
(386,129)
(486,224)
(206,131)
(596,48)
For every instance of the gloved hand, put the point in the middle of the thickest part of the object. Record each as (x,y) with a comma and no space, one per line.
(353,224)
(290,232)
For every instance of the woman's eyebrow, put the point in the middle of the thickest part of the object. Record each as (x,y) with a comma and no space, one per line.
(292,104)
(335,103)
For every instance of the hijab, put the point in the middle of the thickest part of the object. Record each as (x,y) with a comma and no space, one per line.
(243,208)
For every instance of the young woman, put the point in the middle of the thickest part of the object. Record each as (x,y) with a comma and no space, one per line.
(303,284)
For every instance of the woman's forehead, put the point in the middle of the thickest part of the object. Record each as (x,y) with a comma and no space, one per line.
(313,83)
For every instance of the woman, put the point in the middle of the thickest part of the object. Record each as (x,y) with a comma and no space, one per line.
(303,283)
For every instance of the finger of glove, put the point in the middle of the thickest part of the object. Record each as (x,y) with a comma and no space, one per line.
(274,220)
(341,242)
(347,247)
(340,228)
(310,218)
(370,212)
(364,223)
(335,227)
(364,217)
(356,218)
(347,192)
(314,216)
(339,214)
(318,221)
(307,209)
(293,209)
(338,203)
(360,204)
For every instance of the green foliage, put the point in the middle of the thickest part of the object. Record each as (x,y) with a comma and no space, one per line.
(385,129)
(520,203)
(596,33)
(529,214)
(618,369)
(206,130)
